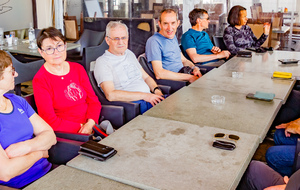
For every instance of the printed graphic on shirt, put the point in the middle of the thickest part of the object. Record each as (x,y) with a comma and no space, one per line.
(73,92)
(132,71)
(21,110)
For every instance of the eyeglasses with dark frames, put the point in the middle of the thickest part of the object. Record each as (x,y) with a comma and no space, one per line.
(51,50)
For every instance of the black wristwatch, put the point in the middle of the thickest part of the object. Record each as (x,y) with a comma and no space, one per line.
(155,89)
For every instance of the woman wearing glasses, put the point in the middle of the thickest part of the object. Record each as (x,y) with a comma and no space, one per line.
(239,36)
(24,136)
(62,90)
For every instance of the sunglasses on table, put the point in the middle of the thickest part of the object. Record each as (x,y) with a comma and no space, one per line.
(226,136)
(225,145)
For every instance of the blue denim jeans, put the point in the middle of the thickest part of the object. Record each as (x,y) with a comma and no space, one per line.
(281,139)
(281,157)
(144,106)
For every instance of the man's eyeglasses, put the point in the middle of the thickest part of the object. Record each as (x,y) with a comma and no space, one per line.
(117,39)
(206,18)
(59,48)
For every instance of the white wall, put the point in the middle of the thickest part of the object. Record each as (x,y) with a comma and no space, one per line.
(44,13)
(15,14)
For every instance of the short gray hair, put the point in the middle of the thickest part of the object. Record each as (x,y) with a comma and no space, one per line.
(115,24)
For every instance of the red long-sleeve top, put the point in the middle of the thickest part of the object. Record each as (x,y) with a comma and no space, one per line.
(67,101)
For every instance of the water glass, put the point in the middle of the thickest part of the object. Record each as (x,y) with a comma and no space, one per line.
(15,40)
(218,100)
(237,75)
(9,40)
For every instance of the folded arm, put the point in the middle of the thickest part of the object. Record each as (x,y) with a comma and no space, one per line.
(43,140)
(12,167)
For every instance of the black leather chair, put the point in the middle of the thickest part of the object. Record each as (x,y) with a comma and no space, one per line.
(68,144)
(175,85)
(92,53)
(89,38)
(137,37)
(219,42)
(296,165)
(26,71)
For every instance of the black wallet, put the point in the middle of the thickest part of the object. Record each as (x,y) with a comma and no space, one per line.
(97,151)
(244,54)
(223,145)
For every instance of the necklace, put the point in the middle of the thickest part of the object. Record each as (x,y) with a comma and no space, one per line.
(5,107)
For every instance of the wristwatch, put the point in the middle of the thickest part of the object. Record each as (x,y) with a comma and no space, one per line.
(155,89)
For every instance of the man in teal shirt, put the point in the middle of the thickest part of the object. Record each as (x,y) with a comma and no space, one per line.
(196,43)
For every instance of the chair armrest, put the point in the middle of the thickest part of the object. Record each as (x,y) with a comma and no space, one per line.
(115,114)
(175,85)
(206,67)
(203,70)
(74,136)
(296,165)
(92,53)
(165,89)
(63,151)
(131,110)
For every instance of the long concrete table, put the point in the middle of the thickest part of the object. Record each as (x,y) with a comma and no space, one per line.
(193,105)
(155,153)
(66,178)
(264,63)
(249,83)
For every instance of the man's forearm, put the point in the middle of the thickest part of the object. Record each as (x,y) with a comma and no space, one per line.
(151,83)
(170,75)
(121,95)
(203,58)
